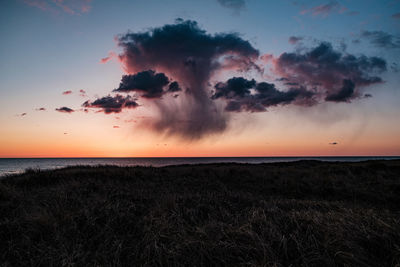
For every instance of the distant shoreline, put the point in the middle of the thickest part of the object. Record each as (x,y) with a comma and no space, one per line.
(19,165)
(291,213)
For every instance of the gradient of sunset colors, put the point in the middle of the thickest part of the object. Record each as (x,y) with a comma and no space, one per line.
(58,54)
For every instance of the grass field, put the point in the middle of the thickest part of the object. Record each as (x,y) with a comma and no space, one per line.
(305,213)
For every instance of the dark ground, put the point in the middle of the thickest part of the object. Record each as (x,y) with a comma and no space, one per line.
(304,213)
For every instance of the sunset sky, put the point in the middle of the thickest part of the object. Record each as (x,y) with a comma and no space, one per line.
(97,78)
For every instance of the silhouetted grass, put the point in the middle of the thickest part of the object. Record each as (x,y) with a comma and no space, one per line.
(305,213)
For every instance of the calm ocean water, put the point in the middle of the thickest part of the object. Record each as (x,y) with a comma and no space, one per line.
(18,165)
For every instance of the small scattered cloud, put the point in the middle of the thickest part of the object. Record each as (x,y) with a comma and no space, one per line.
(236,5)
(67,92)
(148,82)
(334,143)
(295,39)
(115,126)
(174,87)
(82,93)
(40,109)
(381,39)
(22,114)
(112,104)
(64,110)
(396,16)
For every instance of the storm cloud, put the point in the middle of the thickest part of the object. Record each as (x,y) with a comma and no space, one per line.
(184,58)
(112,104)
(189,55)
(248,95)
(333,75)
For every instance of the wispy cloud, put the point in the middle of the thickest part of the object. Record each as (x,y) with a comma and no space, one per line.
(236,5)
(382,39)
(325,9)
(396,16)
(73,7)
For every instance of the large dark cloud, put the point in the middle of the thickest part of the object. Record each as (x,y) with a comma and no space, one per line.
(183,57)
(112,104)
(382,39)
(190,56)
(248,95)
(329,72)
(149,83)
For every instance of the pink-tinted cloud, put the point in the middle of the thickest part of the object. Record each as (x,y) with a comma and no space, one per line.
(325,9)
(82,93)
(333,75)
(41,4)
(67,92)
(73,7)
(110,56)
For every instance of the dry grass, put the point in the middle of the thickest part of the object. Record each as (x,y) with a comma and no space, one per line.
(304,213)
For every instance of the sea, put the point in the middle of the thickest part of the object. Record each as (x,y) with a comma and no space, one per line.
(9,166)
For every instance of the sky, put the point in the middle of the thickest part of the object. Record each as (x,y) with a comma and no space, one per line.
(186,78)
